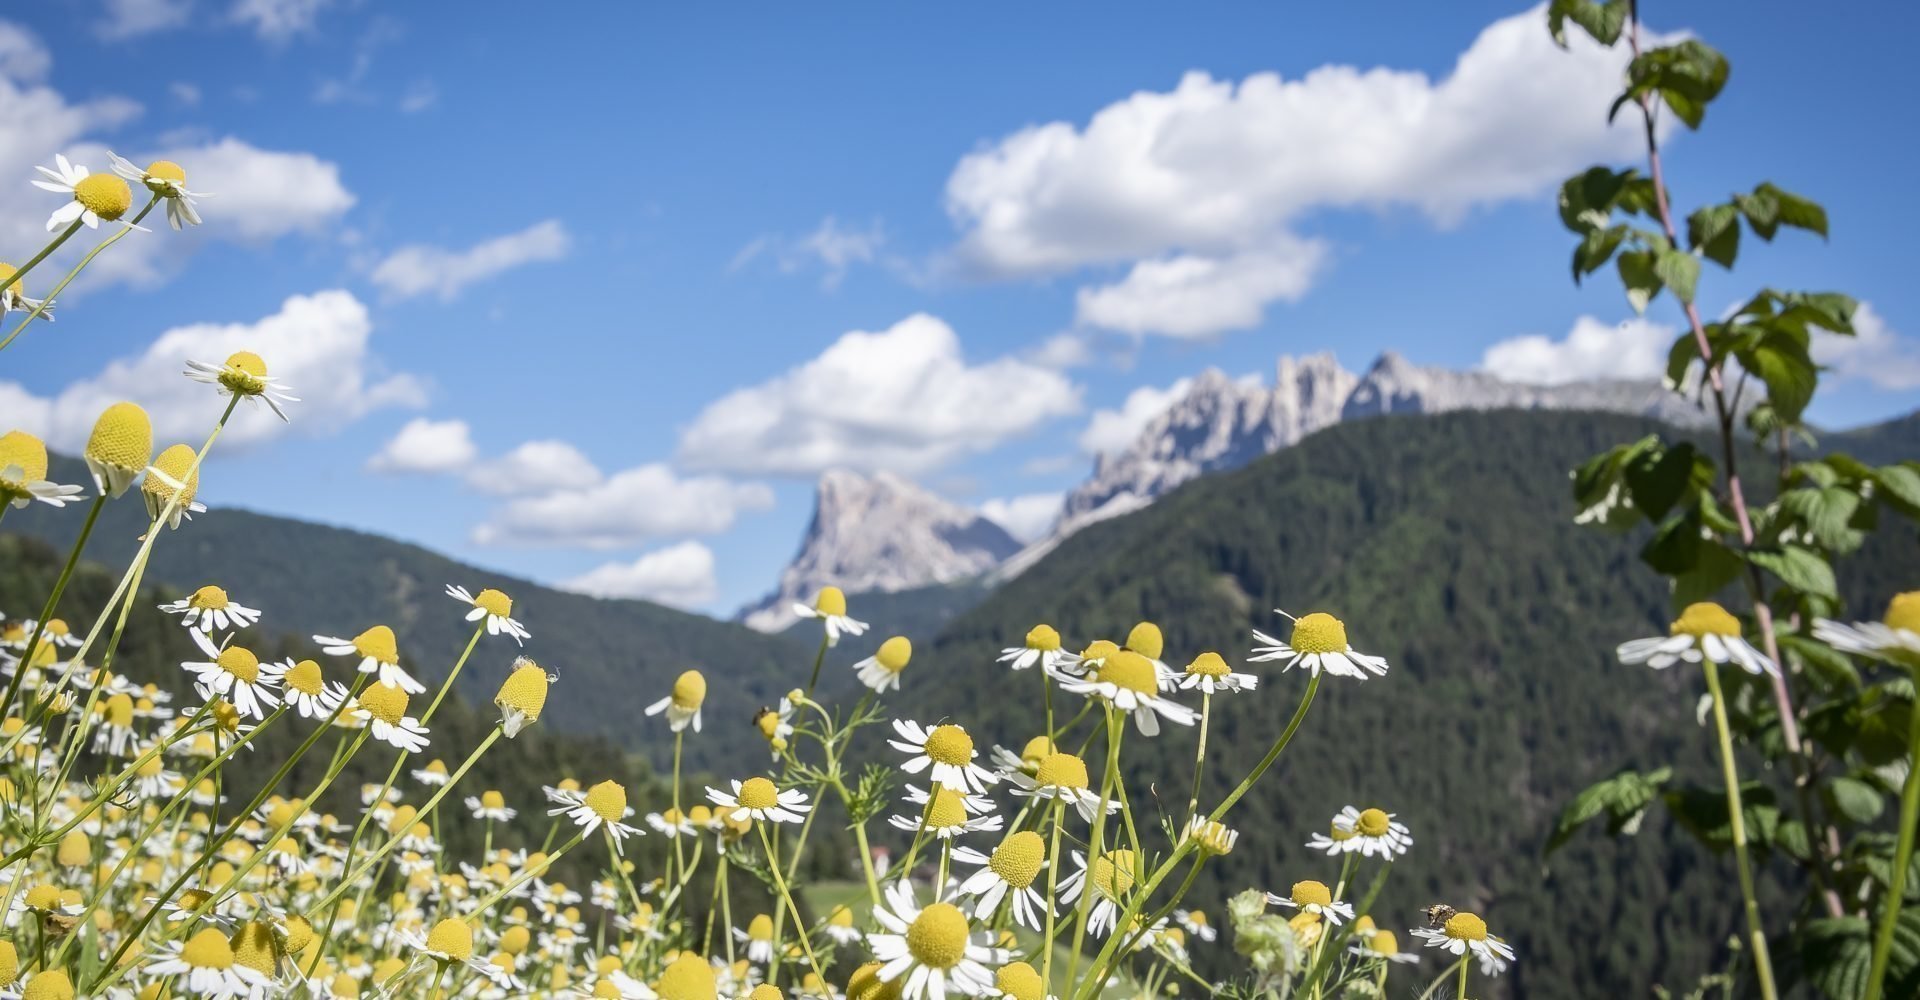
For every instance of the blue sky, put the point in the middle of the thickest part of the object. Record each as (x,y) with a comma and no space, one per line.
(637,235)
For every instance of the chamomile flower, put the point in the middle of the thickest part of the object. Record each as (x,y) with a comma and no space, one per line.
(683,704)
(758,937)
(209,608)
(384,709)
(433,775)
(490,805)
(1018,981)
(1314,897)
(1130,682)
(307,691)
(1211,836)
(839,927)
(13,295)
(1368,832)
(206,967)
(882,670)
(1210,673)
(948,750)
(1895,638)
(1146,639)
(1008,873)
(831,608)
(495,607)
(166,179)
(118,447)
(1465,932)
(171,483)
(1110,878)
(776,725)
(672,823)
(946,813)
(233,673)
(379,652)
(1370,942)
(758,798)
(522,696)
(94,196)
(23,473)
(450,942)
(605,804)
(1319,642)
(1703,630)
(243,374)
(1195,923)
(930,950)
(1042,647)
(1062,776)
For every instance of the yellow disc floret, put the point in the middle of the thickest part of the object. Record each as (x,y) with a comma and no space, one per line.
(1311,893)
(608,800)
(1043,638)
(1903,612)
(1061,770)
(1706,618)
(1372,823)
(758,793)
(121,438)
(208,950)
(1319,633)
(241,663)
(1019,981)
(453,938)
(866,984)
(1146,640)
(1111,874)
(894,654)
(950,744)
(1208,665)
(687,977)
(937,938)
(946,809)
(385,702)
(105,195)
(830,602)
(305,678)
(1464,926)
(254,947)
(172,465)
(689,691)
(21,450)
(494,602)
(165,176)
(378,644)
(1130,670)
(1019,858)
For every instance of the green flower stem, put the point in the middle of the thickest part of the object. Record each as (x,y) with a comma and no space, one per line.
(1200,755)
(1053,881)
(1902,859)
(818,658)
(1460,990)
(53,598)
(679,859)
(866,860)
(447,685)
(1273,754)
(14,280)
(1324,963)
(1736,819)
(1444,975)
(1095,846)
(780,882)
(47,300)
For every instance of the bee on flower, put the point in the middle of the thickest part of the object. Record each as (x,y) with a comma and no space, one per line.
(683,704)
(948,750)
(495,607)
(1463,933)
(209,609)
(1703,631)
(244,374)
(166,179)
(1319,642)
(759,798)
(1007,875)
(776,725)
(1313,897)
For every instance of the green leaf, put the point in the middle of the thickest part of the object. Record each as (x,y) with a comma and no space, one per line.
(1686,76)
(1788,370)
(1680,271)
(1714,566)
(1622,798)
(1823,660)
(1658,481)
(1674,548)
(1587,199)
(1638,275)
(1901,483)
(1795,211)
(1715,232)
(1857,800)
(1602,21)
(1826,513)
(1837,954)
(1798,567)
(1703,813)
(1595,249)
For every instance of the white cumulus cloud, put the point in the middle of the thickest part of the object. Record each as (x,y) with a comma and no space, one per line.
(130,18)
(1190,295)
(428,270)
(1215,170)
(1636,348)
(1112,431)
(679,575)
(426,446)
(901,399)
(1027,518)
(641,503)
(1875,354)
(534,468)
(278,20)
(316,344)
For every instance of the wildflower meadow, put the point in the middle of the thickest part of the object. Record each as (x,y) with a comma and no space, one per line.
(315,815)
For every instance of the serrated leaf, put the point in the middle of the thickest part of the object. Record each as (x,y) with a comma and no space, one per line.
(1798,567)
(1638,275)
(1595,249)
(1902,484)
(1703,813)
(1855,799)
(1837,954)
(1826,513)
(1674,548)
(1823,660)
(1715,232)
(1795,211)
(1679,271)
(1622,798)
(1658,481)
(1782,362)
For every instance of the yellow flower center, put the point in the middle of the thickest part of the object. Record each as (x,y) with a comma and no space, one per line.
(379,643)
(514,940)
(208,950)
(1130,670)
(18,448)
(122,438)
(9,963)
(1111,874)
(1903,612)
(1214,837)
(1311,893)
(1018,858)
(1146,640)
(253,947)
(1464,926)
(765,991)
(248,363)
(491,799)
(208,598)
(866,984)
(453,938)
(950,745)
(226,717)
(608,800)
(7,271)
(894,654)
(241,663)
(173,463)
(937,938)
(285,812)
(42,897)
(119,711)
(166,171)
(524,690)
(74,851)
(768,722)
(1704,619)
(386,702)
(105,195)
(1208,665)
(494,602)
(1043,638)
(830,602)
(689,977)
(946,809)
(1035,750)
(1019,981)
(1098,649)
(758,793)
(1383,943)
(50,984)
(1341,832)
(1373,823)
(840,917)
(1319,633)
(1061,770)
(760,928)
(689,691)
(305,678)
